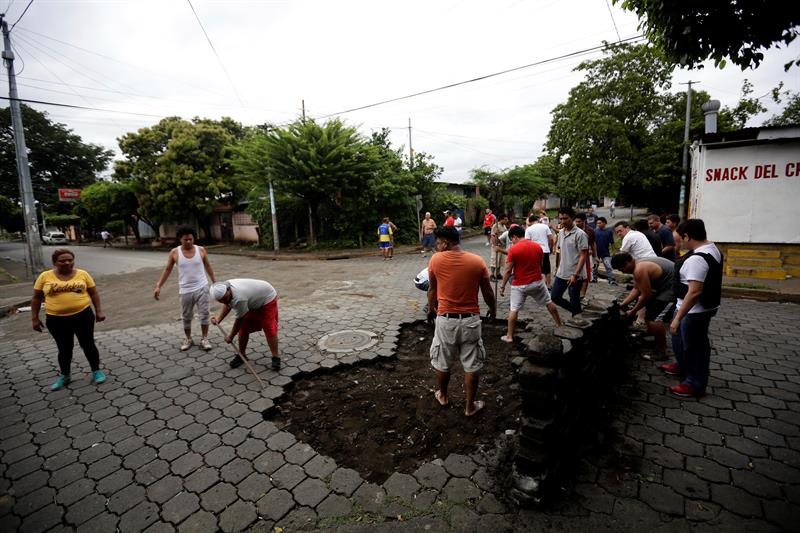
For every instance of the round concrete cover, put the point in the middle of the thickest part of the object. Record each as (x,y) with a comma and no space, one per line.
(349,340)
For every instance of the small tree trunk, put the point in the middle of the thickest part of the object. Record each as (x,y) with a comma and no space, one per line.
(312,237)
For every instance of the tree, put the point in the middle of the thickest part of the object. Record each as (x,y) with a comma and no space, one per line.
(58,158)
(524,184)
(10,215)
(597,136)
(691,32)
(790,116)
(179,170)
(107,201)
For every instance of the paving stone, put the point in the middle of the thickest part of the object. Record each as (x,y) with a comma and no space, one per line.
(320,466)
(431,475)
(281,441)
(275,504)
(460,490)
(401,486)
(701,511)
(703,435)
(727,457)
(125,499)
(201,479)
(782,513)
(299,519)
(237,517)
(31,482)
(164,489)
(251,448)
(334,506)
(459,465)
(179,507)
(708,470)
(205,443)
(746,446)
(310,492)
(186,464)
(103,467)
(268,462)
(664,456)
(489,504)
(114,482)
(254,487)
(34,501)
(735,500)
(43,519)
(288,476)
(102,523)
(218,497)
(173,450)
(138,518)
(160,527)
(299,453)
(756,484)
(198,521)
(686,483)
(139,458)
(75,491)
(220,456)
(68,474)
(345,481)
(370,497)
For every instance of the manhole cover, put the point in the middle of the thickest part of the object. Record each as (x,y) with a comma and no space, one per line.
(349,340)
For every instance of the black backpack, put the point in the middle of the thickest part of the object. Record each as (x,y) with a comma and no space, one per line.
(712,286)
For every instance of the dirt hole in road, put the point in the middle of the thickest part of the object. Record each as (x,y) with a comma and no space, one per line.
(381,417)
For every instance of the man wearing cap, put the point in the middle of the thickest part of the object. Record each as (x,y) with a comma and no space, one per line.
(255,307)
(456,277)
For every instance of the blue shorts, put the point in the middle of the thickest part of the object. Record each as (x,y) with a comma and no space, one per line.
(383,245)
(429,241)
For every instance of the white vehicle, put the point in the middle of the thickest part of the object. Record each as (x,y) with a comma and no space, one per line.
(54,237)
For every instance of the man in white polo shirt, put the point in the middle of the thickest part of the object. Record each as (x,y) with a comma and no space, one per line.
(633,242)
(541,234)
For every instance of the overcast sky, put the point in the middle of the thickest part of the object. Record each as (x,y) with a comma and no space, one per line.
(152,58)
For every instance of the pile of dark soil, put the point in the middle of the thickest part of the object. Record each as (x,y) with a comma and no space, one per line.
(381,417)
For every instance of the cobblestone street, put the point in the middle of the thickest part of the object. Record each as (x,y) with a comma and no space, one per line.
(177,441)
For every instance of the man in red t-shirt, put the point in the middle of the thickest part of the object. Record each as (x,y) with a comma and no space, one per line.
(455,278)
(488,221)
(525,260)
(450,221)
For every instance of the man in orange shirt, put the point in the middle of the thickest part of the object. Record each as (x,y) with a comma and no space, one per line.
(455,278)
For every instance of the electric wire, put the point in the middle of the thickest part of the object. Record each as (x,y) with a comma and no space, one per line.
(479,78)
(76,93)
(73,106)
(219,59)
(619,39)
(23,14)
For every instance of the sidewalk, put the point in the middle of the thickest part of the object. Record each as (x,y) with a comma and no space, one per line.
(178,442)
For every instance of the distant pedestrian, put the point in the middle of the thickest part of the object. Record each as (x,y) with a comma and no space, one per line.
(428,238)
(672,223)
(652,291)
(664,235)
(580,221)
(611,207)
(541,234)
(458,223)
(385,240)
(543,218)
(633,242)
(574,246)
(698,288)
(106,236)
(456,277)
(69,294)
(255,308)
(496,258)
(488,221)
(604,241)
(591,217)
(193,265)
(525,261)
(449,220)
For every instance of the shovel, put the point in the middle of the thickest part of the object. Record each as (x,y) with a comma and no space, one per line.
(243,358)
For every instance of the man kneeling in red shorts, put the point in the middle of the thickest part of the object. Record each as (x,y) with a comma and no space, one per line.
(255,307)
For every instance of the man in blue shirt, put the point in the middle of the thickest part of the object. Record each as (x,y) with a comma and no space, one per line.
(604,239)
(666,236)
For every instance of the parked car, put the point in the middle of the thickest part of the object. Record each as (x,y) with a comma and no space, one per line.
(54,237)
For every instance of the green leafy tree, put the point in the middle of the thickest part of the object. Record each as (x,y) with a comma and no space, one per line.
(10,215)
(179,170)
(58,158)
(107,201)
(597,136)
(688,33)
(790,116)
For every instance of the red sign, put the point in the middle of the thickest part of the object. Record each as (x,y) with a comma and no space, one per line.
(69,195)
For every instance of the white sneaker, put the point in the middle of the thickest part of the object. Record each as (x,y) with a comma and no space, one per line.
(187,343)
(205,344)
(505,338)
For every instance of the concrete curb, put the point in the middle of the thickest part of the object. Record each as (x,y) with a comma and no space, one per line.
(9,309)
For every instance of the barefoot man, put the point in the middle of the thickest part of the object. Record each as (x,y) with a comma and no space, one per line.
(193,265)
(455,277)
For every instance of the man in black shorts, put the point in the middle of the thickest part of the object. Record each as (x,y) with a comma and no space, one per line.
(652,290)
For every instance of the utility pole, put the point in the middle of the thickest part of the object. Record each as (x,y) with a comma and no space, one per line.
(303,105)
(410,149)
(685,164)
(32,237)
(276,242)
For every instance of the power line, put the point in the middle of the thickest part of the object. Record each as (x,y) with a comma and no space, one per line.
(619,39)
(76,93)
(8,6)
(479,78)
(72,106)
(23,14)
(215,53)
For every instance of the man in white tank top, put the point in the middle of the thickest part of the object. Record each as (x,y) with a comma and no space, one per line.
(193,265)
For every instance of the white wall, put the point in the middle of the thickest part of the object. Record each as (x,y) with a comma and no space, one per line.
(748,193)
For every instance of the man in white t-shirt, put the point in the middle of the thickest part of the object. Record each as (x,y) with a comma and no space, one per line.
(255,308)
(540,233)
(458,223)
(698,288)
(633,242)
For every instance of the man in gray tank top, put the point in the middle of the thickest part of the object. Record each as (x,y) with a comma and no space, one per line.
(193,265)
(652,291)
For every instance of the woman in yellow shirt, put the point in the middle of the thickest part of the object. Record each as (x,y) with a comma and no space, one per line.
(68,294)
